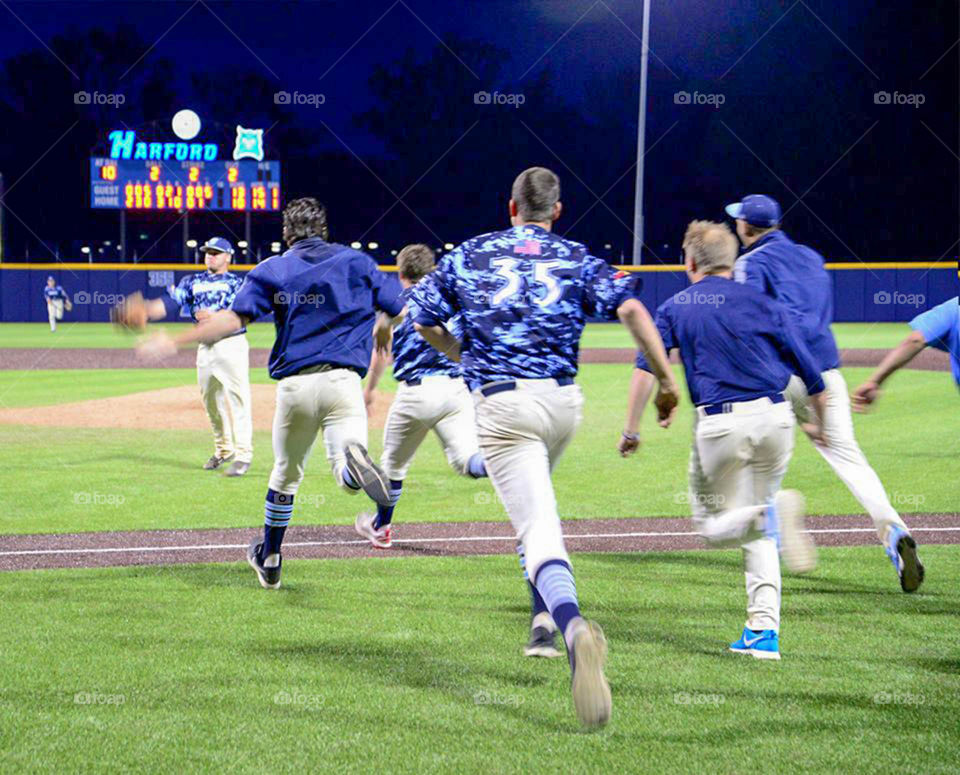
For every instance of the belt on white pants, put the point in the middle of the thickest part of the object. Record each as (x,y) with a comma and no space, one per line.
(532,385)
(740,407)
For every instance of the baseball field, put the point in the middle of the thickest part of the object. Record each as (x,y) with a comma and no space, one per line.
(137,638)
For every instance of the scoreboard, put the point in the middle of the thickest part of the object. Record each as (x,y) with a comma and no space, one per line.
(244,185)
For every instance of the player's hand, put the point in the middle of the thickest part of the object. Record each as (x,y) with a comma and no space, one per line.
(131,313)
(203,314)
(668,396)
(628,444)
(814,427)
(157,347)
(865,395)
(382,335)
(369,398)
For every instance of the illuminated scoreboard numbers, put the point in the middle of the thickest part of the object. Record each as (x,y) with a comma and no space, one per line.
(275,197)
(238,197)
(108,172)
(232,174)
(154,173)
(258,198)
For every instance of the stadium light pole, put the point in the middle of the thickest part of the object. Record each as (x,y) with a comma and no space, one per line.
(641,138)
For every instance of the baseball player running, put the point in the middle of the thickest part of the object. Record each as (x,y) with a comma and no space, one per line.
(324,298)
(795,276)
(223,366)
(523,294)
(430,396)
(738,349)
(938,327)
(57,300)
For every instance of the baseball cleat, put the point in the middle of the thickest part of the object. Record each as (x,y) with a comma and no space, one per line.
(367,474)
(215,462)
(238,468)
(760,644)
(543,643)
(797,549)
(379,537)
(269,576)
(902,551)
(591,692)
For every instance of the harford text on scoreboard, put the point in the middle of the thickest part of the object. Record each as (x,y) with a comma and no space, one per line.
(142,175)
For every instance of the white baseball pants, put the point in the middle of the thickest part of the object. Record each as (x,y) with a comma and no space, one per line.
(842,451)
(439,403)
(522,434)
(330,402)
(54,312)
(223,372)
(743,457)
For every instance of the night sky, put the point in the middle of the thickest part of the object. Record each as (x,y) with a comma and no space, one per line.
(799,118)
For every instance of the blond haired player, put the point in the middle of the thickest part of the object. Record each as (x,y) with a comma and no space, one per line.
(738,349)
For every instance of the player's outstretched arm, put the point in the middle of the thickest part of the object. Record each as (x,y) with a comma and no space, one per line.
(378,364)
(383,331)
(641,387)
(868,392)
(635,317)
(219,325)
(440,339)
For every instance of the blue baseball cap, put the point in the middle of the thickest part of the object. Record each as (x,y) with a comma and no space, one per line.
(216,245)
(757,210)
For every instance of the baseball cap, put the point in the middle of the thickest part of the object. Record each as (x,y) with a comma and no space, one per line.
(217,245)
(757,210)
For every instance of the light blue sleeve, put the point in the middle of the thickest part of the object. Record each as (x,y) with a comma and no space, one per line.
(936,324)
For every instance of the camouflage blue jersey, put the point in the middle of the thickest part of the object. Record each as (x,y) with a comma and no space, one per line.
(524,295)
(204,290)
(413,356)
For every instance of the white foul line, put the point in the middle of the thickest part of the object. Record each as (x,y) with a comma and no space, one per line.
(441,540)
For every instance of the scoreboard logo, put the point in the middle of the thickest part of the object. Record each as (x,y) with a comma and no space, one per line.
(124,145)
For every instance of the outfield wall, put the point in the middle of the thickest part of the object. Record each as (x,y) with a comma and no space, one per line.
(862,292)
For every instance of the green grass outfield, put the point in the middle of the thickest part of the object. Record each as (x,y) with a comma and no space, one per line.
(49,476)
(414,665)
(71,334)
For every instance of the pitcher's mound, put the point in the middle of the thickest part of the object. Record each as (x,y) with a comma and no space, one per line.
(176,408)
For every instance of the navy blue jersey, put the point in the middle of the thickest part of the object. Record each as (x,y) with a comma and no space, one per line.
(795,276)
(203,290)
(736,343)
(523,295)
(57,292)
(324,298)
(413,356)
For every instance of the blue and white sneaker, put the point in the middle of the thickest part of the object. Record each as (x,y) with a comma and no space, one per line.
(784,524)
(764,644)
(902,551)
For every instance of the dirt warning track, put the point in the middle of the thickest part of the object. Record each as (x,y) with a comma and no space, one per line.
(430,539)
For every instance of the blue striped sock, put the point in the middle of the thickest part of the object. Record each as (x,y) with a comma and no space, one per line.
(385,513)
(555,584)
(537,606)
(277,510)
(476,467)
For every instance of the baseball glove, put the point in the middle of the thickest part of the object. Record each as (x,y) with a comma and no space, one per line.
(67,305)
(130,314)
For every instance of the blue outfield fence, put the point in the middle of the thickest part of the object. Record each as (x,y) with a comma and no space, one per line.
(861,292)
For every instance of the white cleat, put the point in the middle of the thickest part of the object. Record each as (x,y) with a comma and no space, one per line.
(591,692)
(380,538)
(797,549)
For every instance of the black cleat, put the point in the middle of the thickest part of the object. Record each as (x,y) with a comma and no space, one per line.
(543,643)
(367,474)
(269,577)
(215,462)
(905,560)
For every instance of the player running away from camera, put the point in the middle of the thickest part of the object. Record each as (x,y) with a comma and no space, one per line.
(795,276)
(523,294)
(738,348)
(430,396)
(324,299)
(57,301)
(938,327)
